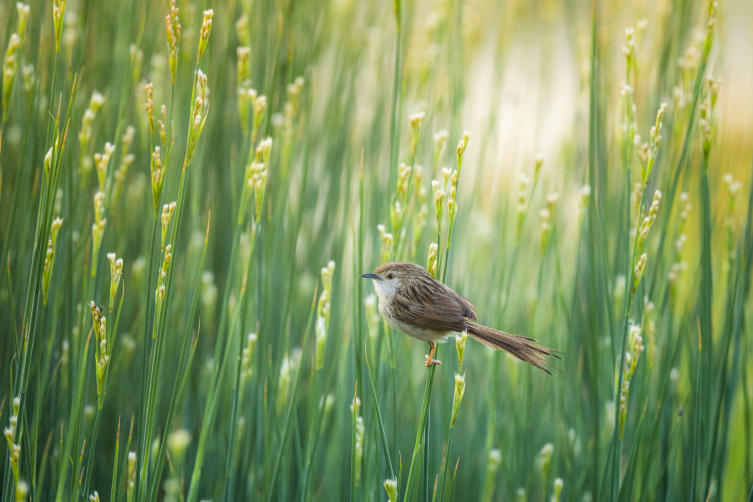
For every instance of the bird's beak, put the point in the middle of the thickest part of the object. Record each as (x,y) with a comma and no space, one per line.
(371,276)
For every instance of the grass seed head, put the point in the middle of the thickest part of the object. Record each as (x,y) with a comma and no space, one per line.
(329,402)
(23,11)
(249,352)
(136,56)
(460,346)
(522,206)
(101,162)
(96,101)
(127,139)
(157,176)
(50,257)
(634,350)
(396,216)
(22,491)
(178,441)
(10,62)
(283,383)
(558,485)
(544,458)
(438,203)
(360,438)
(120,174)
(415,123)
(98,231)
(167,214)
(206,28)
(259,107)
(458,396)
(243,69)
(461,149)
(172,25)
(131,464)
(58,14)
(387,242)
(638,271)
(712,9)
(546,228)
(95,311)
(85,134)
(323,310)
(201,84)
(649,328)
(431,263)
(9,433)
(241,29)
(403,178)
(149,106)
(629,48)
(440,140)
(446,175)
(715,85)
(116,271)
(390,486)
(538,161)
(495,458)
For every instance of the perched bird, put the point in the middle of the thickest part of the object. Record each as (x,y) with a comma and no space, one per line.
(414,302)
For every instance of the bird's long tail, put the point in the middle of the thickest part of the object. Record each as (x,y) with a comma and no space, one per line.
(525,349)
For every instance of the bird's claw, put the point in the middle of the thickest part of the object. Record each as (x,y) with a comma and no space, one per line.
(430,362)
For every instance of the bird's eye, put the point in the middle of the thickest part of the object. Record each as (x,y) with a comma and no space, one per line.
(390,276)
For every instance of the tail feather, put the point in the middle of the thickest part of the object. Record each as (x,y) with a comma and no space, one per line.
(524,348)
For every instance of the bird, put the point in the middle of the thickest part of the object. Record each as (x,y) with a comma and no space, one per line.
(412,301)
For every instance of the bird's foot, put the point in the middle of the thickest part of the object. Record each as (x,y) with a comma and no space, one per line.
(430,361)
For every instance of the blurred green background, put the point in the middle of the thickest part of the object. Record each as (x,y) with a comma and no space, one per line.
(238,383)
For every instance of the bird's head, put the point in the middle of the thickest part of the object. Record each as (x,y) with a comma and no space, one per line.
(389,278)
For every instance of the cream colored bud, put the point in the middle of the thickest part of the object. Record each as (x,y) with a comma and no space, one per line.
(390,486)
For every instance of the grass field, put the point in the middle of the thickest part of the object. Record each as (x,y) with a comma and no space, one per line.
(190,192)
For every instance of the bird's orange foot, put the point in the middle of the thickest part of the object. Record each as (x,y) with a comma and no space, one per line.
(430,361)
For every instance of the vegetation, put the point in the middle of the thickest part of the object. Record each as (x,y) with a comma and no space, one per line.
(190,192)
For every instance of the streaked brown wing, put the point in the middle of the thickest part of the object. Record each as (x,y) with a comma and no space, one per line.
(433,306)
(469,311)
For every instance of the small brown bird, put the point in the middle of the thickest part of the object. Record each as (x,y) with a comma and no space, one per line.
(412,301)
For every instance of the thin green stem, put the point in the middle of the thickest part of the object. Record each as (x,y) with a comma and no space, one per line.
(421,426)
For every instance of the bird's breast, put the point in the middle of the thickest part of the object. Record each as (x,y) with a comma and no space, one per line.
(426,335)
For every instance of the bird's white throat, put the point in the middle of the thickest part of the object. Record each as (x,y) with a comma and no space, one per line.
(385,288)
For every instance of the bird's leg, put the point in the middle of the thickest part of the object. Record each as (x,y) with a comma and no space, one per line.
(430,358)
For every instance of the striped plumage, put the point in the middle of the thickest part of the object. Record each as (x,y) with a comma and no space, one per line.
(412,301)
